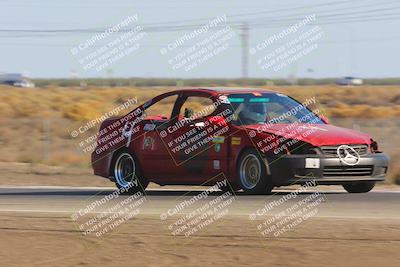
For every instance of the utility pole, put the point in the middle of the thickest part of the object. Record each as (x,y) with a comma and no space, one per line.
(244,34)
(46,140)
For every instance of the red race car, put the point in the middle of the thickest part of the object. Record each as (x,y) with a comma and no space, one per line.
(252,139)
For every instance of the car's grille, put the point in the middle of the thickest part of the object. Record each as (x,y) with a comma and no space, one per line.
(332,150)
(358,170)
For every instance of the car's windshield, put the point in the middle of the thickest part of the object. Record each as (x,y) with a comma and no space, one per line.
(258,108)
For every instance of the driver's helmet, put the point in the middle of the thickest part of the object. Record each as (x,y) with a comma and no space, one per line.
(253,113)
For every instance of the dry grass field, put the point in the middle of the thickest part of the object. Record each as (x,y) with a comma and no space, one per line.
(35,124)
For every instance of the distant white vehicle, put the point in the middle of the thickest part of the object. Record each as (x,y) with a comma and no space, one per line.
(350,81)
(16,79)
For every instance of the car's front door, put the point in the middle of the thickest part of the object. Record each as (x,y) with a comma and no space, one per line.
(196,139)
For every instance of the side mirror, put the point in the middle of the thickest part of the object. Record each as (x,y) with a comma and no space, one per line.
(324,119)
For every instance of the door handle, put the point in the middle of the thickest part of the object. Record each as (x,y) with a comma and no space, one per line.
(198,124)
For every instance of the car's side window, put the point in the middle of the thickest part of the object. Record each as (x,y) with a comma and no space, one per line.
(162,108)
(196,107)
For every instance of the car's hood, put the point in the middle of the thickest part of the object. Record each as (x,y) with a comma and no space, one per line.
(314,134)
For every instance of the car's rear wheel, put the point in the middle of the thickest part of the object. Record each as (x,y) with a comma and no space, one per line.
(252,173)
(359,187)
(127,174)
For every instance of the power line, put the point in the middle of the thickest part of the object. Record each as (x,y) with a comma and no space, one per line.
(367,40)
(331,16)
(180,27)
(241,15)
(321,12)
(262,24)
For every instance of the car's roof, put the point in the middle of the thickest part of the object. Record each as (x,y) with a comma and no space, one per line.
(227,90)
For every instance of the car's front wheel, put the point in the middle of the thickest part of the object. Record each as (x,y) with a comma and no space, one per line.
(127,174)
(252,173)
(359,187)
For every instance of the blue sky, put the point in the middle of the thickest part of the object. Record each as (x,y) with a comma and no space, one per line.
(368,46)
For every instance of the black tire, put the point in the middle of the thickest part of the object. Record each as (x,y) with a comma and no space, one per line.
(230,187)
(359,187)
(127,173)
(252,174)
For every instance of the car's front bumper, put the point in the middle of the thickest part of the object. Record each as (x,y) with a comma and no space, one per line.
(291,169)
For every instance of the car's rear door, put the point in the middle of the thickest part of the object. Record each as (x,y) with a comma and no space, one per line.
(153,155)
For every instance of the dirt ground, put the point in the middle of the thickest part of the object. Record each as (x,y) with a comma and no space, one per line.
(45,240)
(27,174)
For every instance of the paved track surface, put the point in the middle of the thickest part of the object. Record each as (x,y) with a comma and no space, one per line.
(336,204)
